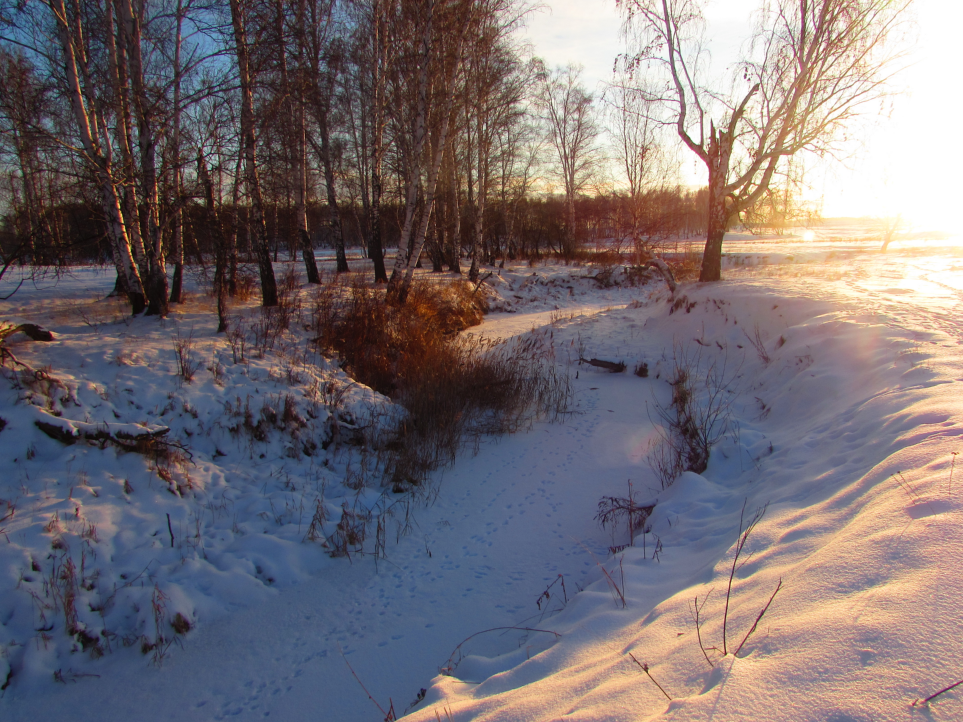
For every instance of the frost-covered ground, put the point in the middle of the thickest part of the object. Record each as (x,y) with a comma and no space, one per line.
(846,421)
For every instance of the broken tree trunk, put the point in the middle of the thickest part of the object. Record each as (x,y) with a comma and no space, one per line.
(615,368)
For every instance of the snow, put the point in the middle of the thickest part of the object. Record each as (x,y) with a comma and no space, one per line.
(844,425)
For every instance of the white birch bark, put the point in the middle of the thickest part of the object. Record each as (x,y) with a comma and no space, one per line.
(116,229)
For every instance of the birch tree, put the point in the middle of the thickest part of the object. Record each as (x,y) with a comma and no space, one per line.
(443,30)
(269,290)
(94,145)
(572,130)
(495,86)
(811,69)
(323,60)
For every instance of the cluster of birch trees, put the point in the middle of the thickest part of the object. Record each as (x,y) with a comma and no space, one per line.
(168,131)
(403,124)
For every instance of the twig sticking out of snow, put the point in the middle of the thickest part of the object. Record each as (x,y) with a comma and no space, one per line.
(451,663)
(949,488)
(756,623)
(740,545)
(390,714)
(645,668)
(697,608)
(924,702)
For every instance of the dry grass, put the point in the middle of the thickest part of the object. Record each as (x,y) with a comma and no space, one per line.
(686,267)
(454,388)
(380,344)
(697,418)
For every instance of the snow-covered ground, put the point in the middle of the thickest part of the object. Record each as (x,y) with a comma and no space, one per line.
(837,370)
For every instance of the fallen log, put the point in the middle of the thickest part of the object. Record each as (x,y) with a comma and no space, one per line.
(126,436)
(31,330)
(614,367)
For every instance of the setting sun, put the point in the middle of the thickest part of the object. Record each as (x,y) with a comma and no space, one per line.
(893,163)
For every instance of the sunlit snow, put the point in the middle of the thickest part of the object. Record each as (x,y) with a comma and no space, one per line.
(846,422)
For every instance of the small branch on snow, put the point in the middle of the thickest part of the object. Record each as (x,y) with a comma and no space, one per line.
(756,623)
(390,714)
(924,702)
(450,665)
(645,668)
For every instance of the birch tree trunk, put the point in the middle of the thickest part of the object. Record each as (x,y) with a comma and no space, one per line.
(453,251)
(337,232)
(177,232)
(718,157)
(71,43)
(378,56)
(269,289)
(419,136)
(430,188)
(220,243)
(156,286)
(294,100)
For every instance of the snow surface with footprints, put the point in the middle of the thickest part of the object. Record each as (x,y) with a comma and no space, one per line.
(849,433)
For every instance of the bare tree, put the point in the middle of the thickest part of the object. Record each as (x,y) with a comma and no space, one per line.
(96,149)
(269,291)
(444,27)
(496,83)
(176,183)
(569,111)
(813,66)
(372,53)
(24,101)
(130,20)
(323,64)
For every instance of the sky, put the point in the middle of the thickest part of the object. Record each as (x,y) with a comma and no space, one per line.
(901,164)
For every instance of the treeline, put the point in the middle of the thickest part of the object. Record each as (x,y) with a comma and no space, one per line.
(148,133)
(75,233)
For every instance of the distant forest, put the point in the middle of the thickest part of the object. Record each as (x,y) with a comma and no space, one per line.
(154,133)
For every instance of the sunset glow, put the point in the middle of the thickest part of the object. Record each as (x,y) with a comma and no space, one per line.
(897,163)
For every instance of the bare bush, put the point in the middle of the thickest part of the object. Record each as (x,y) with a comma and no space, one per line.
(187,360)
(615,510)
(350,533)
(697,417)
(455,388)
(745,531)
(237,337)
(246,284)
(758,344)
(472,387)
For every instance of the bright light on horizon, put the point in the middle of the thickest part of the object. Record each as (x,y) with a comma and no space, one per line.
(907,158)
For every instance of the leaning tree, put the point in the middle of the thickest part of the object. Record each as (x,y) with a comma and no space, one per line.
(810,69)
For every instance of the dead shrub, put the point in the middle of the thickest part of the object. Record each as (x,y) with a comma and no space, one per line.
(686,266)
(237,337)
(378,343)
(455,388)
(247,284)
(698,416)
(187,361)
(472,387)
(615,510)
(318,519)
(350,533)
